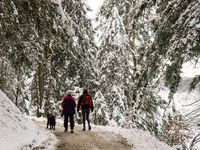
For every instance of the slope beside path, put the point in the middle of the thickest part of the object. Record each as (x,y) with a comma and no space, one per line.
(87,140)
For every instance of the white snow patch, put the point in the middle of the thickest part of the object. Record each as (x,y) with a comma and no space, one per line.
(18,132)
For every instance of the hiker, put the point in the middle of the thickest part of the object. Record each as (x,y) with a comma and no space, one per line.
(85,101)
(68,105)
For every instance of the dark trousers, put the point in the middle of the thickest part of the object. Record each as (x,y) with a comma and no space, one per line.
(71,117)
(86,113)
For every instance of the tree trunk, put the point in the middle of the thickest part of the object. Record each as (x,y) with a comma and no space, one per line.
(126,91)
(133,46)
(41,81)
(40,67)
(133,36)
(17,89)
(16,97)
(133,54)
(142,95)
(38,100)
(41,86)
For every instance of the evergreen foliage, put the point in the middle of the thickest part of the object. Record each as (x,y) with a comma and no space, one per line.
(113,65)
(142,102)
(176,40)
(48,47)
(51,45)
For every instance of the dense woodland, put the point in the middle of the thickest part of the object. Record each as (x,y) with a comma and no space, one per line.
(48,47)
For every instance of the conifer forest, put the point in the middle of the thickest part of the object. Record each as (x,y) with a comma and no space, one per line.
(48,47)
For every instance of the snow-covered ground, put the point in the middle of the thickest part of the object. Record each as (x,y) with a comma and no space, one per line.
(186,102)
(138,139)
(20,132)
(17,132)
(190,69)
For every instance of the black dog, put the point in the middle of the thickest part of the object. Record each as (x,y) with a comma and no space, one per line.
(51,120)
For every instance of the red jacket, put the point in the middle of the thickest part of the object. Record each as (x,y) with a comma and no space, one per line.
(69,105)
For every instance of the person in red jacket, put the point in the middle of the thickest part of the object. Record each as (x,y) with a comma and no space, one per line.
(85,101)
(68,105)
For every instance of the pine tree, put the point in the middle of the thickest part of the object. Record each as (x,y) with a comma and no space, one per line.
(175,25)
(14,52)
(143,100)
(113,65)
(52,46)
(83,45)
(72,62)
(176,40)
(101,113)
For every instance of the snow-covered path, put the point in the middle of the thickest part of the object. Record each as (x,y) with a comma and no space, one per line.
(87,140)
(103,137)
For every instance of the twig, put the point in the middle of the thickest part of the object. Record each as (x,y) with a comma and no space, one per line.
(191,103)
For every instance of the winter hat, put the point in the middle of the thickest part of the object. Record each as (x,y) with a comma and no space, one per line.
(69,93)
(85,90)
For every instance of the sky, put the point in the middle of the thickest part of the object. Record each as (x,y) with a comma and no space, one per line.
(94,4)
(20,132)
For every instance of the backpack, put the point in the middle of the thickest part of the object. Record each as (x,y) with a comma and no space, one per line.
(86,102)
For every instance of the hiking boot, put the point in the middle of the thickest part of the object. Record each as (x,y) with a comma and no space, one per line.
(83,129)
(89,127)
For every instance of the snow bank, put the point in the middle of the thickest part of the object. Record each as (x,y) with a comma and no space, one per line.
(138,139)
(17,131)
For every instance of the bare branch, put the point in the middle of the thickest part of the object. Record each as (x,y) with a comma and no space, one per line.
(192,103)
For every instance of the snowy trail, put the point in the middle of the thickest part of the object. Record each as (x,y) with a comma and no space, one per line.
(87,140)
(20,132)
